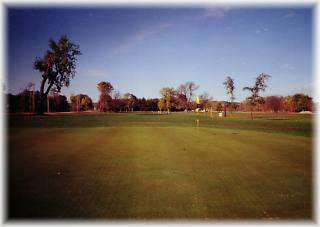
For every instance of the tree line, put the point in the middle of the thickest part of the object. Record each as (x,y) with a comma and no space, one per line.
(171,99)
(58,66)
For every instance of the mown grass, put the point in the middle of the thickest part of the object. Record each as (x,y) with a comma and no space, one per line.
(299,124)
(144,166)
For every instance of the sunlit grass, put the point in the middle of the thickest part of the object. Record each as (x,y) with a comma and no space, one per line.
(144,165)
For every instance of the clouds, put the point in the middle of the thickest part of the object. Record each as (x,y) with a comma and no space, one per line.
(289,15)
(291,88)
(145,33)
(140,36)
(213,13)
(287,66)
(261,30)
(156,29)
(94,73)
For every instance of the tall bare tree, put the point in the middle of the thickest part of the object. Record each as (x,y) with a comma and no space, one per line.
(57,67)
(260,85)
(229,85)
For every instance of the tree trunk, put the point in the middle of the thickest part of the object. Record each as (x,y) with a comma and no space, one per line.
(43,96)
(225,110)
(41,106)
(251,113)
(48,104)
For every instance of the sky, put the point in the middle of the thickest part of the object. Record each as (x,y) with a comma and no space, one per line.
(142,49)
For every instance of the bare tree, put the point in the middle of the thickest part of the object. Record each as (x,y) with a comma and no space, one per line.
(260,85)
(229,85)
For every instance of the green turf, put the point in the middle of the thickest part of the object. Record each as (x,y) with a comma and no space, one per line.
(143,166)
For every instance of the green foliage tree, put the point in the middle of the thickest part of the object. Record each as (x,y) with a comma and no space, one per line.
(57,67)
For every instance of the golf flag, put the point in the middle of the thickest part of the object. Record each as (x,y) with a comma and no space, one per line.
(197,100)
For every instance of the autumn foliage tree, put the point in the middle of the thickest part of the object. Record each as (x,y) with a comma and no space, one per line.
(219,107)
(130,101)
(273,103)
(81,102)
(204,99)
(105,89)
(182,101)
(186,92)
(57,67)
(161,104)
(301,102)
(167,97)
(260,85)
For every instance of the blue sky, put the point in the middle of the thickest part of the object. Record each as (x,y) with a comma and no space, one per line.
(140,50)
